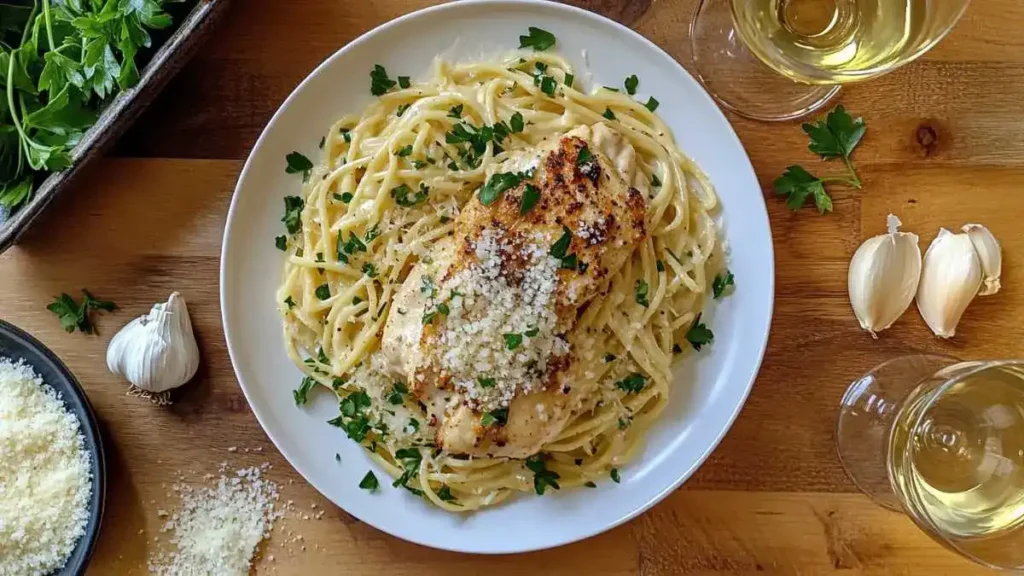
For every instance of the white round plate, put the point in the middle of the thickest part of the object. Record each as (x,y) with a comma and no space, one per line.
(711,386)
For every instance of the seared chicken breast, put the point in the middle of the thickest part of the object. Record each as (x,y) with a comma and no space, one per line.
(482,328)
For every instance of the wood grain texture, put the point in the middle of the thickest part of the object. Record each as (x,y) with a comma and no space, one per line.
(942,149)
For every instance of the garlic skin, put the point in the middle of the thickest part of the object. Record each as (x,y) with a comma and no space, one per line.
(990,253)
(883,277)
(951,277)
(158,351)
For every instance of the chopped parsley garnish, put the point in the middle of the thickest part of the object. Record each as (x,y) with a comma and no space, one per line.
(584,156)
(356,300)
(548,86)
(532,332)
(455,111)
(640,291)
(289,302)
(676,349)
(322,358)
(370,270)
(346,134)
(615,475)
(323,140)
(405,151)
(410,459)
(372,233)
(538,39)
(722,283)
(512,340)
(442,308)
(624,423)
(540,66)
(323,291)
(608,113)
(561,246)
(569,79)
(397,395)
(497,185)
(414,424)
(499,417)
(353,420)
(516,123)
(652,104)
(635,382)
(292,213)
(299,394)
(403,83)
(445,494)
(569,262)
(699,335)
(655,181)
(338,382)
(404,195)
(631,83)
(73,316)
(352,245)
(427,285)
(401,109)
(530,197)
(379,81)
(609,357)
(417,164)
(298,164)
(281,242)
(428,317)
(369,482)
(486,382)
(590,484)
(542,477)
(346,197)
(660,265)
(453,166)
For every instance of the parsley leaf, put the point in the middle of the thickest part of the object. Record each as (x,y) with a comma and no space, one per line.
(512,340)
(516,123)
(300,393)
(292,213)
(538,39)
(532,332)
(498,417)
(456,111)
(652,104)
(531,194)
(721,283)
(72,316)
(635,382)
(299,164)
(369,482)
(497,185)
(401,109)
(797,183)
(403,82)
(608,113)
(569,79)
(402,197)
(699,335)
(323,291)
(655,181)
(548,86)
(640,292)
(281,242)
(486,382)
(631,83)
(445,494)
(561,246)
(836,136)
(379,81)
(584,156)
(369,269)
(404,150)
(542,477)
(615,475)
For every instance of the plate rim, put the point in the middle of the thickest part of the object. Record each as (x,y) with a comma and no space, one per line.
(747,166)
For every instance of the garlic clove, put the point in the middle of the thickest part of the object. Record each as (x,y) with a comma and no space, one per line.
(990,253)
(950,279)
(883,277)
(158,351)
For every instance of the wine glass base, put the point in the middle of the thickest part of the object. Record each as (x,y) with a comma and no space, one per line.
(738,80)
(866,417)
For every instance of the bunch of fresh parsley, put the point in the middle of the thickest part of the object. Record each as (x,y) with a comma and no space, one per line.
(61,62)
(833,137)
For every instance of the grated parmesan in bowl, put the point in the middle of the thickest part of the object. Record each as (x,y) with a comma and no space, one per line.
(45,475)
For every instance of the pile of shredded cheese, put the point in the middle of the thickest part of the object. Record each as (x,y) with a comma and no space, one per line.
(45,475)
(218,528)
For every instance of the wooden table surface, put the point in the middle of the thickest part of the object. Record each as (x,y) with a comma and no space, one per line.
(943,147)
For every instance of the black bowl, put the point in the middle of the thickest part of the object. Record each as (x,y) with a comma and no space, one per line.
(17,344)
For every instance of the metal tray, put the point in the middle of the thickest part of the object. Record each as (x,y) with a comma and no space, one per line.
(121,112)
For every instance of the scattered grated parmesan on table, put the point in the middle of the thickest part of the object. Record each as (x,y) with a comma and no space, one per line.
(218,528)
(45,475)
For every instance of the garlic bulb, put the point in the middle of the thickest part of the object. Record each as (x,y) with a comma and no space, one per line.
(950,279)
(990,253)
(156,352)
(883,277)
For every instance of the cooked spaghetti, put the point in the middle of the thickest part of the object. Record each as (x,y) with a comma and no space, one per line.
(484,337)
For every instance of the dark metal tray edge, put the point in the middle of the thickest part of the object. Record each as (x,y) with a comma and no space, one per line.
(120,114)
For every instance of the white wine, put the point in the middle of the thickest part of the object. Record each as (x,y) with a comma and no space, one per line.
(840,41)
(956,460)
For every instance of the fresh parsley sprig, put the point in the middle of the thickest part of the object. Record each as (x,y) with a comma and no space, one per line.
(835,136)
(72,316)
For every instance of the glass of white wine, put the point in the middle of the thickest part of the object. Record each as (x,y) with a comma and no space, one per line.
(782,59)
(943,441)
